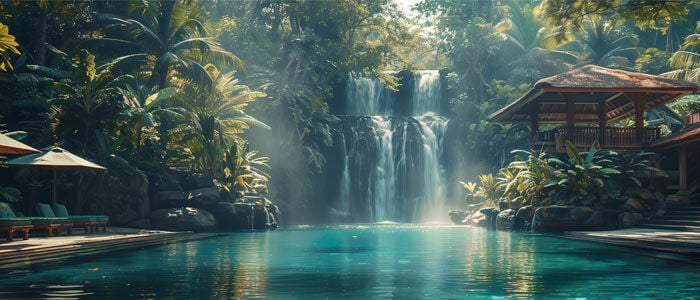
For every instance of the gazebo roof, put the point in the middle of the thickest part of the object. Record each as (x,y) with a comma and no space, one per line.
(589,87)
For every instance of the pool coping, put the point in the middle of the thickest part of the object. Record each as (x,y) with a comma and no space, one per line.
(659,243)
(42,250)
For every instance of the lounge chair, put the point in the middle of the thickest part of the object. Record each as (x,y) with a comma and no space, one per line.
(10,223)
(47,220)
(91,223)
(51,224)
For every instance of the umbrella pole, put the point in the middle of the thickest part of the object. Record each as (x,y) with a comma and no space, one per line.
(53,200)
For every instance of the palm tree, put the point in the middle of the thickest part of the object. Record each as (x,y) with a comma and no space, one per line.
(606,43)
(686,61)
(243,170)
(147,108)
(86,102)
(161,36)
(532,45)
(214,106)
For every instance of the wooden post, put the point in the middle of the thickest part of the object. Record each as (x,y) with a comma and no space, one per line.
(602,122)
(683,173)
(570,118)
(534,124)
(639,118)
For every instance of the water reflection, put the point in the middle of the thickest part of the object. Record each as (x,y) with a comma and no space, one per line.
(362,262)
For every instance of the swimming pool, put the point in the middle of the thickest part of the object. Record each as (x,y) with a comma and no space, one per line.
(364,262)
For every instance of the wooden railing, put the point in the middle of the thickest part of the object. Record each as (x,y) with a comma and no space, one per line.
(584,137)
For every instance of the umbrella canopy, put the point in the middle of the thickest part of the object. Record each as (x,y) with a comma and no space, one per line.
(55,158)
(9,145)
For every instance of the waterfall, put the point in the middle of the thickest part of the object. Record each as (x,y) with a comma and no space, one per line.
(376,100)
(427,92)
(392,164)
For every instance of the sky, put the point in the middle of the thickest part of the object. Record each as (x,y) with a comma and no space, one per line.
(406,5)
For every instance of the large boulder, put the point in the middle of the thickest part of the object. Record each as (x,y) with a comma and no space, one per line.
(255,216)
(565,218)
(505,220)
(523,218)
(459,217)
(225,214)
(182,219)
(197,180)
(479,219)
(490,213)
(168,199)
(630,219)
(203,197)
(634,205)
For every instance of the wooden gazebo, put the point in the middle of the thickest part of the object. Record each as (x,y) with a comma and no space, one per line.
(586,100)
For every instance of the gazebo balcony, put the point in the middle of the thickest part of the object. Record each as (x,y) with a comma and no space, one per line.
(585,137)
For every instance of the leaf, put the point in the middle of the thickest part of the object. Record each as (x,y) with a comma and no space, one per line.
(609,171)
(572,152)
(636,181)
(159,96)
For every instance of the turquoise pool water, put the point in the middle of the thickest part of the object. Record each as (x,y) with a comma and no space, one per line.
(364,262)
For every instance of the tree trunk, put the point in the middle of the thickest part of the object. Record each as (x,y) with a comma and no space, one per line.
(41,45)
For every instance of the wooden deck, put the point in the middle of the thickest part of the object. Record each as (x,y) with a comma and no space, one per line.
(39,250)
(665,244)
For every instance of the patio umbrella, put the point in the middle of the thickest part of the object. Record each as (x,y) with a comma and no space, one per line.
(9,145)
(55,158)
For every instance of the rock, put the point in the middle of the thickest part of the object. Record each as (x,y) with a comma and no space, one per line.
(197,180)
(646,195)
(505,220)
(630,219)
(479,219)
(124,197)
(182,219)
(203,197)
(658,196)
(168,199)
(633,204)
(523,218)
(491,213)
(164,184)
(565,218)
(459,217)
(144,223)
(256,216)
(225,214)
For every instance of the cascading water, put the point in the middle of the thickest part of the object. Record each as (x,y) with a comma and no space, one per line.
(392,167)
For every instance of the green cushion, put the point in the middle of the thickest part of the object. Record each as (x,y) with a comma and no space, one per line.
(60,210)
(15,222)
(44,210)
(6,211)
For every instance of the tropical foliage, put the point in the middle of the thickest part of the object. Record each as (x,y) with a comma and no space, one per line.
(686,61)
(595,178)
(146,85)
(7,45)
